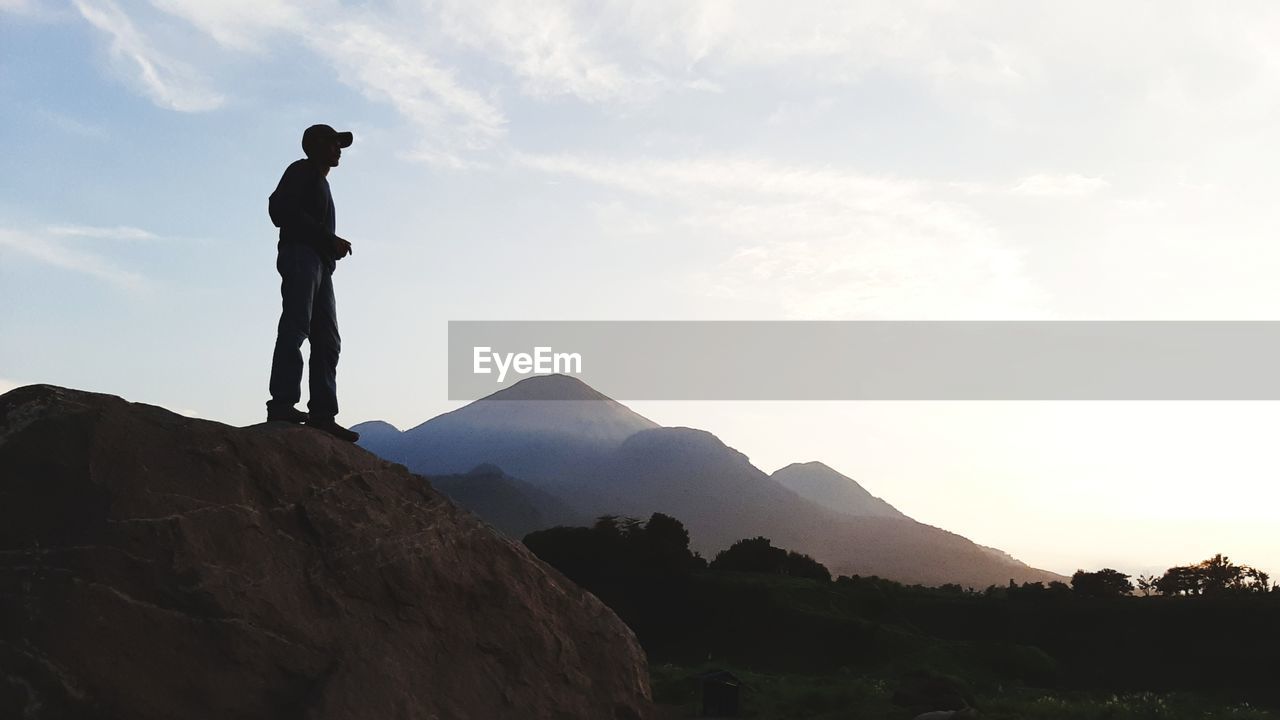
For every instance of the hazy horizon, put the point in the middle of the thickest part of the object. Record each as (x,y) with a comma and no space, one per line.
(677,160)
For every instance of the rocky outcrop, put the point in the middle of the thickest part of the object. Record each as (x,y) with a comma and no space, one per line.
(158,566)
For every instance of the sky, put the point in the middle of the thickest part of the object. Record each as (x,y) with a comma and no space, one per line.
(677,159)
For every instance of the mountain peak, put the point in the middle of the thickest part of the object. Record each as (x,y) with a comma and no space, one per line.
(549,387)
(832,489)
(530,430)
(812,465)
(375,426)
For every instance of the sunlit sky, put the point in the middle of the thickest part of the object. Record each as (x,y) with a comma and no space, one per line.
(675,159)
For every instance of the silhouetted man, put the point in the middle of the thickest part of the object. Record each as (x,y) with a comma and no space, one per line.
(302,208)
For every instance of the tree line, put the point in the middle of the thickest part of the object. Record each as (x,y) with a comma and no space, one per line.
(618,544)
(659,546)
(776,609)
(1214,576)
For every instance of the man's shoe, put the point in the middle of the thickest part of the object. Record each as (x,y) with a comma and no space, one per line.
(293,415)
(334,429)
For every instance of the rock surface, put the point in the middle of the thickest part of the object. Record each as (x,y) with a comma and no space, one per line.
(158,566)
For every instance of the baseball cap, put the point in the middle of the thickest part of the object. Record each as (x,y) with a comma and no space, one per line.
(324,133)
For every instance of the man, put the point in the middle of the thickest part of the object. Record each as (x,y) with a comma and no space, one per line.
(302,208)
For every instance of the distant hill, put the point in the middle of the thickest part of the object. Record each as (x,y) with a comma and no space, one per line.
(599,457)
(832,490)
(377,437)
(510,505)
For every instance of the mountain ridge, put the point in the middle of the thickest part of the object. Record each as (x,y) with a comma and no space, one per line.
(632,466)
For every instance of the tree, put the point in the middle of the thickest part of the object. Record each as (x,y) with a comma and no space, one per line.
(1214,576)
(759,555)
(1105,583)
(1257,580)
(1181,580)
(615,526)
(617,548)
(664,544)
(1147,584)
(800,565)
(1218,575)
(756,554)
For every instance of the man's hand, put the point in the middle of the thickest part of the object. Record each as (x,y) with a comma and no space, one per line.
(341,248)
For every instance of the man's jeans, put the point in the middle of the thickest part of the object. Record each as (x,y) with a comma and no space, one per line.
(309,311)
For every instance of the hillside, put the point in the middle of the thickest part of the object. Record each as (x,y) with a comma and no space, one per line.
(512,506)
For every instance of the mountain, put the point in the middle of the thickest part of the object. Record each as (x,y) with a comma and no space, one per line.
(512,506)
(377,437)
(155,566)
(819,483)
(536,431)
(599,457)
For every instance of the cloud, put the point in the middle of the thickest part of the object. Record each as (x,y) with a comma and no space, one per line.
(384,68)
(6,385)
(815,41)
(55,252)
(547,46)
(1043,185)
(120,232)
(72,125)
(822,243)
(244,24)
(387,58)
(18,7)
(169,83)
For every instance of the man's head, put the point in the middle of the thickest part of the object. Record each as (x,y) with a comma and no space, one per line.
(324,144)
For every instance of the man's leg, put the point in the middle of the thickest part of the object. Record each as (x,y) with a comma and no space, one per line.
(325,347)
(300,275)
(326,344)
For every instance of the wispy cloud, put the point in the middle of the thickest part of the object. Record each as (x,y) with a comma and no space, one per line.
(170,83)
(449,115)
(386,58)
(1037,185)
(71,125)
(246,25)
(547,46)
(1043,185)
(826,243)
(120,232)
(18,7)
(56,251)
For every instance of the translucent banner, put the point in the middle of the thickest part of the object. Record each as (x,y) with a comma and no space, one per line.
(875,360)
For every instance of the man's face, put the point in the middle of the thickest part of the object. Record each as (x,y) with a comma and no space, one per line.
(326,152)
(331,153)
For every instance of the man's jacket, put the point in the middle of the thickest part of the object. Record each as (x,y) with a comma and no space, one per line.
(302,208)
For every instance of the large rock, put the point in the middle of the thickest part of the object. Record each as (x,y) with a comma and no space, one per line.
(157,566)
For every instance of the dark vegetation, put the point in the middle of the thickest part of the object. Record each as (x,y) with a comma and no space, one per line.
(1210,630)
